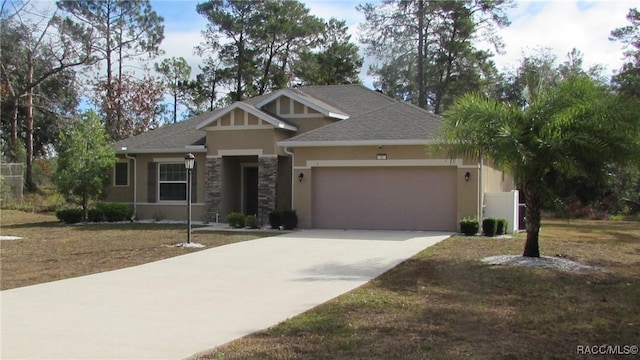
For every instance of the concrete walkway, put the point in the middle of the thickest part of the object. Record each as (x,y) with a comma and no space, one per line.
(174,308)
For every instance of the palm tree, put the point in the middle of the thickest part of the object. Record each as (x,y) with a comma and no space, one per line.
(575,127)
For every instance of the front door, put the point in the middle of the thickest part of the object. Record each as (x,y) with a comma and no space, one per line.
(250,190)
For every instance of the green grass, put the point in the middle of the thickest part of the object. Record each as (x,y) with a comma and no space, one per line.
(52,251)
(444,303)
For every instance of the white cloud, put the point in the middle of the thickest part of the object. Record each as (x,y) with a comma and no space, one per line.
(564,25)
(181,44)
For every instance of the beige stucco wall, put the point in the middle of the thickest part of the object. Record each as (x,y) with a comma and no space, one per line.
(120,193)
(263,140)
(496,180)
(165,210)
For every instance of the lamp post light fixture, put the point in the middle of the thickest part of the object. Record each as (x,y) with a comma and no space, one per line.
(189,161)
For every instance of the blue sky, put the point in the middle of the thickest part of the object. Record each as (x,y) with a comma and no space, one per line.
(559,25)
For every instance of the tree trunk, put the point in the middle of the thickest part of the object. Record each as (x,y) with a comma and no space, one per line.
(533,211)
(29,184)
(422,96)
(14,130)
(175,107)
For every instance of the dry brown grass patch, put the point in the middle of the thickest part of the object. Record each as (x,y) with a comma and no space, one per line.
(51,251)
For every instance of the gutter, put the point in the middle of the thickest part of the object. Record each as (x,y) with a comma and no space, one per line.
(389,142)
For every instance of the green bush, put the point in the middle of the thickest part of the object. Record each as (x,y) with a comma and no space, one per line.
(115,211)
(236,219)
(289,219)
(489,226)
(251,221)
(96,215)
(469,226)
(275,219)
(69,216)
(502,226)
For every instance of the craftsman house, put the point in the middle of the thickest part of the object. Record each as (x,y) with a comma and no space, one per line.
(342,156)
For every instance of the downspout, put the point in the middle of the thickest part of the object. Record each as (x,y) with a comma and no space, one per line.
(290,153)
(135,185)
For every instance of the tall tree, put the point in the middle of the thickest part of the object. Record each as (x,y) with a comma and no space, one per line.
(139,102)
(175,73)
(85,155)
(336,61)
(125,31)
(577,126)
(627,79)
(45,46)
(257,43)
(284,28)
(426,47)
(233,19)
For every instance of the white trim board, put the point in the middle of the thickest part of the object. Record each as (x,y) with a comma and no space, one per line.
(381,163)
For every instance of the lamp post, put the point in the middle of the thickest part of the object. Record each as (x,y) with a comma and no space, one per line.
(189,161)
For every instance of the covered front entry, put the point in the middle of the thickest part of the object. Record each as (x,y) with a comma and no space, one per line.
(252,185)
(384,198)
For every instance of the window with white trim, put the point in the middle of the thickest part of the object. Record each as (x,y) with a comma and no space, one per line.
(121,173)
(172,182)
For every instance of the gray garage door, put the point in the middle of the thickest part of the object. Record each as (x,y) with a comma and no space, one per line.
(392,198)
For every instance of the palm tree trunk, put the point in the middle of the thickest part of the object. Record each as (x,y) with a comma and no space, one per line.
(533,211)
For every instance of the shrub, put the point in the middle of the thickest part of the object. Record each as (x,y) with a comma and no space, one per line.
(469,226)
(275,219)
(489,226)
(251,221)
(289,219)
(69,216)
(235,220)
(502,226)
(96,215)
(115,211)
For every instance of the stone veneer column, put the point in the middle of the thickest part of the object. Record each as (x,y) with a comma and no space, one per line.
(213,191)
(267,182)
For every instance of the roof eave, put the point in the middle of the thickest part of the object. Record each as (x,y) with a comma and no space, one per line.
(189,148)
(385,142)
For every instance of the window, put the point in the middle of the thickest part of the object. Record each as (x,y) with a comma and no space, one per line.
(121,174)
(172,182)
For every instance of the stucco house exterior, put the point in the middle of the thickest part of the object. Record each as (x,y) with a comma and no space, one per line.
(342,156)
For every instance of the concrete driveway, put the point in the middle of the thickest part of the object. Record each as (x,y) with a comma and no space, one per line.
(174,308)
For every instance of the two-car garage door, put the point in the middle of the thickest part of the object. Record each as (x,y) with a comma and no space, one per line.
(391,198)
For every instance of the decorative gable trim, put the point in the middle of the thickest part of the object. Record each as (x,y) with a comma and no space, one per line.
(303,100)
(279,124)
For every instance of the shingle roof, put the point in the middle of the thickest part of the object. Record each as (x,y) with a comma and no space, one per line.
(352,99)
(373,117)
(169,137)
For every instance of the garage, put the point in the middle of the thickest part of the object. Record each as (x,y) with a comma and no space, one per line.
(384,198)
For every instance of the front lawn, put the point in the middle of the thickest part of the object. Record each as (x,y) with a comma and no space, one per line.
(51,251)
(445,303)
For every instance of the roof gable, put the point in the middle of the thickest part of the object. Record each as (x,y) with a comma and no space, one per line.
(311,102)
(249,109)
